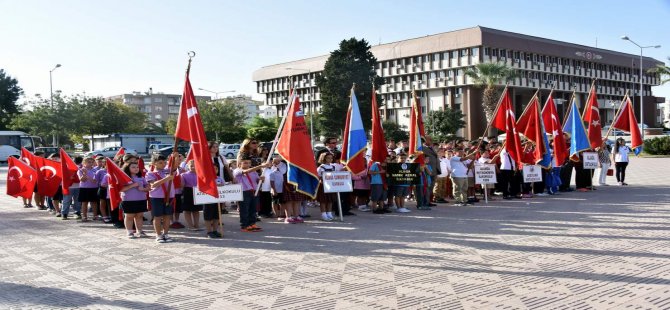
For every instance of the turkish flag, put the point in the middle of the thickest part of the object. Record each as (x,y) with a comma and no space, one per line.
(29,158)
(626,121)
(553,125)
(50,177)
(592,117)
(21,179)
(117,179)
(189,128)
(69,171)
(505,121)
(378,145)
(121,152)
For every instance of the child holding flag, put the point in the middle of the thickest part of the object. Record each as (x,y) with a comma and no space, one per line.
(161,196)
(248,177)
(134,200)
(88,187)
(191,210)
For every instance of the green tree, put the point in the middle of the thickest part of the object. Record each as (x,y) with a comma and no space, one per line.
(223,120)
(663,71)
(394,131)
(9,94)
(262,129)
(490,75)
(443,124)
(171,125)
(351,63)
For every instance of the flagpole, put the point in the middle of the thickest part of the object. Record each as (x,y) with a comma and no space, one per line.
(572,100)
(526,108)
(616,115)
(491,122)
(190,54)
(589,97)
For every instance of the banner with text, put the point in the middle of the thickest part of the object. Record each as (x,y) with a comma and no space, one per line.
(590,160)
(403,174)
(337,182)
(532,173)
(485,174)
(231,192)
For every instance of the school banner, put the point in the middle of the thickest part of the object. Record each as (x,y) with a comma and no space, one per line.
(403,174)
(485,174)
(232,192)
(532,173)
(337,182)
(590,160)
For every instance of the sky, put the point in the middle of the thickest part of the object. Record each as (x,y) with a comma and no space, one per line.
(109,48)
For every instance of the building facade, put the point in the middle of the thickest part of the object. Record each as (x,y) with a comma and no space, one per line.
(435,66)
(158,107)
(252,108)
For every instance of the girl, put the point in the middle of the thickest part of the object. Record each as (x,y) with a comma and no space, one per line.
(211,213)
(178,210)
(621,152)
(376,171)
(248,177)
(161,196)
(604,157)
(134,200)
(88,187)
(325,199)
(191,210)
(100,174)
(401,191)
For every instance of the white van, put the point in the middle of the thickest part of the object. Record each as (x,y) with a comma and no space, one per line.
(229,150)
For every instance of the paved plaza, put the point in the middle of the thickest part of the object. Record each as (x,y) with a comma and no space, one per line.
(608,249)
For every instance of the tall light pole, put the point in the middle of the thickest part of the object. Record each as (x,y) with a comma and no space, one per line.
(216,93)
(51,91)
(311,102)
(641,105)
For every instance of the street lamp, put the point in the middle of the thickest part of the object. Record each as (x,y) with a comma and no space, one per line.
(311,101)
(216,93)
(51,91)
(641,105)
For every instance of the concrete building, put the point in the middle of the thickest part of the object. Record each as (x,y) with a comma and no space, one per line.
(157,106)
(252,108)
(138,142)
(435,66)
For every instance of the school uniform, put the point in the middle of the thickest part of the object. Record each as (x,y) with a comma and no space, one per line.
(100,174)
(162,196)
(211,210)
(321,196)
(277,177)
(377,191)
(88,190)
(265,195)
(189,180)
(133,200)
(248,204)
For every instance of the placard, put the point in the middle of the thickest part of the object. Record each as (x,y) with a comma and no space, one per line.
(337,182)
(532,173)
(590,160)
(403,174)
(485,174)
(231,192)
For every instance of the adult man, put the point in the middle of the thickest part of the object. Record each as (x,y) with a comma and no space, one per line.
(439,191)
(330,144)
(459,176)
(432,160)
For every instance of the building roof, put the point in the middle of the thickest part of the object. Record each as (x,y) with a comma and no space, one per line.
(468,37)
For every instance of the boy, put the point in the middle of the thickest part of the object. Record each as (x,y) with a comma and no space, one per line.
(277,188)
(161,196)
(248,178)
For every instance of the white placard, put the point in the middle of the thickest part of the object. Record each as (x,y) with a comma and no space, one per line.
(337,182)
(532,173)
(231,192)
(485,174)
(590,160)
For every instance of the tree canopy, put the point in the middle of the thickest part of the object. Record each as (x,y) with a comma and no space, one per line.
(443,124)
(489,75)
(394,131)
(262,129)
(10,91)
(223,120)
(351,63)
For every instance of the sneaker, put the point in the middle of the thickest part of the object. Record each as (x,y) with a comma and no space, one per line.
(77,215)
(118,225)
(177,225)
(142,234)
(281,219)
(423,208)
(378,211)
(289,220)
(247,229)
(255,228)
(387,210)
(160,239)
(403,210)
(131,235)
(63,217)
(211,235)
(167,238)
(393,208)
(41,208)
(364,208)
(218,234)
(542,194)
(106,220)
(624,183)
(325,218)
(459,204)
(298,219)
(58,215)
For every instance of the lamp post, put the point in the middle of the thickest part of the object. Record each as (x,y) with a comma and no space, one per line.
(641,105)
(51,91)
(311,102)
(216,93)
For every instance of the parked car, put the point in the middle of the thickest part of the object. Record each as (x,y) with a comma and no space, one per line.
(47,150)
(166,151)
(110,151)
(155,147)
(229,150)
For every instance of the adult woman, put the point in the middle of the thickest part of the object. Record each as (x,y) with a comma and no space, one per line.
(249,150)
(621,152)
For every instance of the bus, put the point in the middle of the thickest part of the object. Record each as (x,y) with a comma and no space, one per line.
(12,141)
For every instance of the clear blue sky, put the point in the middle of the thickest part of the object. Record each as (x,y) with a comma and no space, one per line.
(114,47)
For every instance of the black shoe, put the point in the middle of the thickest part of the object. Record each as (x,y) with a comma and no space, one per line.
(441,201)
(432,205)
(348,213)
(211,235)
(386,210)
(378,211)
(118,225)
(224,211)
(258,219)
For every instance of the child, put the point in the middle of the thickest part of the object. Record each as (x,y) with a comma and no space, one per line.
(211,212)
(325,199)
(54,202)
(88,187)
(134,200)
(161,196)
(100,174)
(177,193)
(277,190)
(486,159)
(249,178)
(401,191)
(377,186)
(72,199)
(191,210)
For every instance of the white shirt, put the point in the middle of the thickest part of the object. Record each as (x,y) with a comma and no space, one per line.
(458,167)
(266,186)
(445,167)
(622,155)
(506,161)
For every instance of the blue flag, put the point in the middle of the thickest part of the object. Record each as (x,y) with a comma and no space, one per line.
(574,125)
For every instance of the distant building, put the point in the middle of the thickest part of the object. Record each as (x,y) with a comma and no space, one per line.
(435,66)
(268,112)
(157,106)
(136,141)
(664,114)
(252,108)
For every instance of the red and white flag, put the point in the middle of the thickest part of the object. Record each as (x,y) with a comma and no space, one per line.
(50,177)
(117,179)
(69,171)
(21,178)
(189,128)
(591,116)
(506,121)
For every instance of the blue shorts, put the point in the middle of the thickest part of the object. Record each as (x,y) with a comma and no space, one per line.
(159,208)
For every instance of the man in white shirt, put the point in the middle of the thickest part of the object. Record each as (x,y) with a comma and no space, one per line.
(459,176)
(440,190)
(508,184)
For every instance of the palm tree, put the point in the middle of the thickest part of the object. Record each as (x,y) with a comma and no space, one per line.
(662,70)
(490,75)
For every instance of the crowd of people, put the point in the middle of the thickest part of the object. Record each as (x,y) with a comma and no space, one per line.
(165,188)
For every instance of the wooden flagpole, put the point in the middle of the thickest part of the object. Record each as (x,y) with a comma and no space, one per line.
(593,84)
(488,126)
(572,100)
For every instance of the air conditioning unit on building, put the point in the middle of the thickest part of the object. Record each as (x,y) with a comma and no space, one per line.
(399,66)
(404,82)
(457,95)
(415,65)
(419,82)
(440,79)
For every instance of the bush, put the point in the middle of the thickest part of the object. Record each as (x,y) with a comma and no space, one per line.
(657,146)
